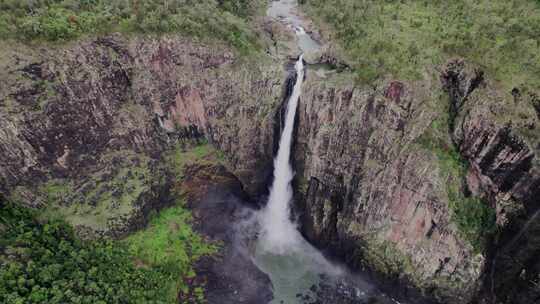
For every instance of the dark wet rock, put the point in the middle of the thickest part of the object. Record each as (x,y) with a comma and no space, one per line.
(219,204)
(341,291)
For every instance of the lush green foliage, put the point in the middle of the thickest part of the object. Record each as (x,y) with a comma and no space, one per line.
(43,262)
(401,38)
(55,20)
(242,8)
(474,218)
(169,244)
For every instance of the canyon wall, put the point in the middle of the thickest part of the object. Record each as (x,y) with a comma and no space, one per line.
(384,173)
(422,181)
(87,124)
(373,192)
(499,135)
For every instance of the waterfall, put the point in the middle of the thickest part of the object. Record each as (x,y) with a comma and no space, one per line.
(278,232)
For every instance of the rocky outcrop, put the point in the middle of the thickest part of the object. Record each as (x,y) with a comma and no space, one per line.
(499,137)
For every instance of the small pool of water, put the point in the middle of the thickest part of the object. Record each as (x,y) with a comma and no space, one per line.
(302,275)
(293,272)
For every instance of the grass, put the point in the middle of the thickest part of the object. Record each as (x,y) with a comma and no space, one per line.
(102,201)
(105,198)
(64,20)
(401,38)
(170,244)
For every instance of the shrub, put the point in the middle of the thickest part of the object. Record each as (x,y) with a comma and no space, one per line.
(52,24)
(474,218)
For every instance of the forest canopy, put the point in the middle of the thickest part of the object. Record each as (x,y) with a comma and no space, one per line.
(44,262)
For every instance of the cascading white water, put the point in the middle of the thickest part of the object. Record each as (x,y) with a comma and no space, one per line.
(279,233)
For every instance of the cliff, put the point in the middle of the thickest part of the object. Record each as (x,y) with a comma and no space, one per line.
(433,182)
(88,124)
(422,180)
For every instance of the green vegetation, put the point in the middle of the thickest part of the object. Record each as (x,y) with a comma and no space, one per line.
(44,262)
(242,8)
(61,20)
(103,200)
(169,244)
(473,217)
(200,153)
(401,38)
(384,257)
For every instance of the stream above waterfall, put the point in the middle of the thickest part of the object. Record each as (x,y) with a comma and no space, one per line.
(286,11)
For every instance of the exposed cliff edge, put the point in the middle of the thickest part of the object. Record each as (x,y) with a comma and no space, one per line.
(383,174)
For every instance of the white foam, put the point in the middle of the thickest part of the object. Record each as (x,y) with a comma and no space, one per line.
(278,232)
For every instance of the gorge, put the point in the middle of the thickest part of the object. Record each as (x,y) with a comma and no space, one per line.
(270,176)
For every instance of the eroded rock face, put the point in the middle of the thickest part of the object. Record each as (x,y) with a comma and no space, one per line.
(369,189)
(499,135)
(65,111)
(500,139)
(372,192)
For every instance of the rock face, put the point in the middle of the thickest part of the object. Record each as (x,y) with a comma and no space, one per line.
(500,137)
(372,190)
(67,113)
(372,193)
